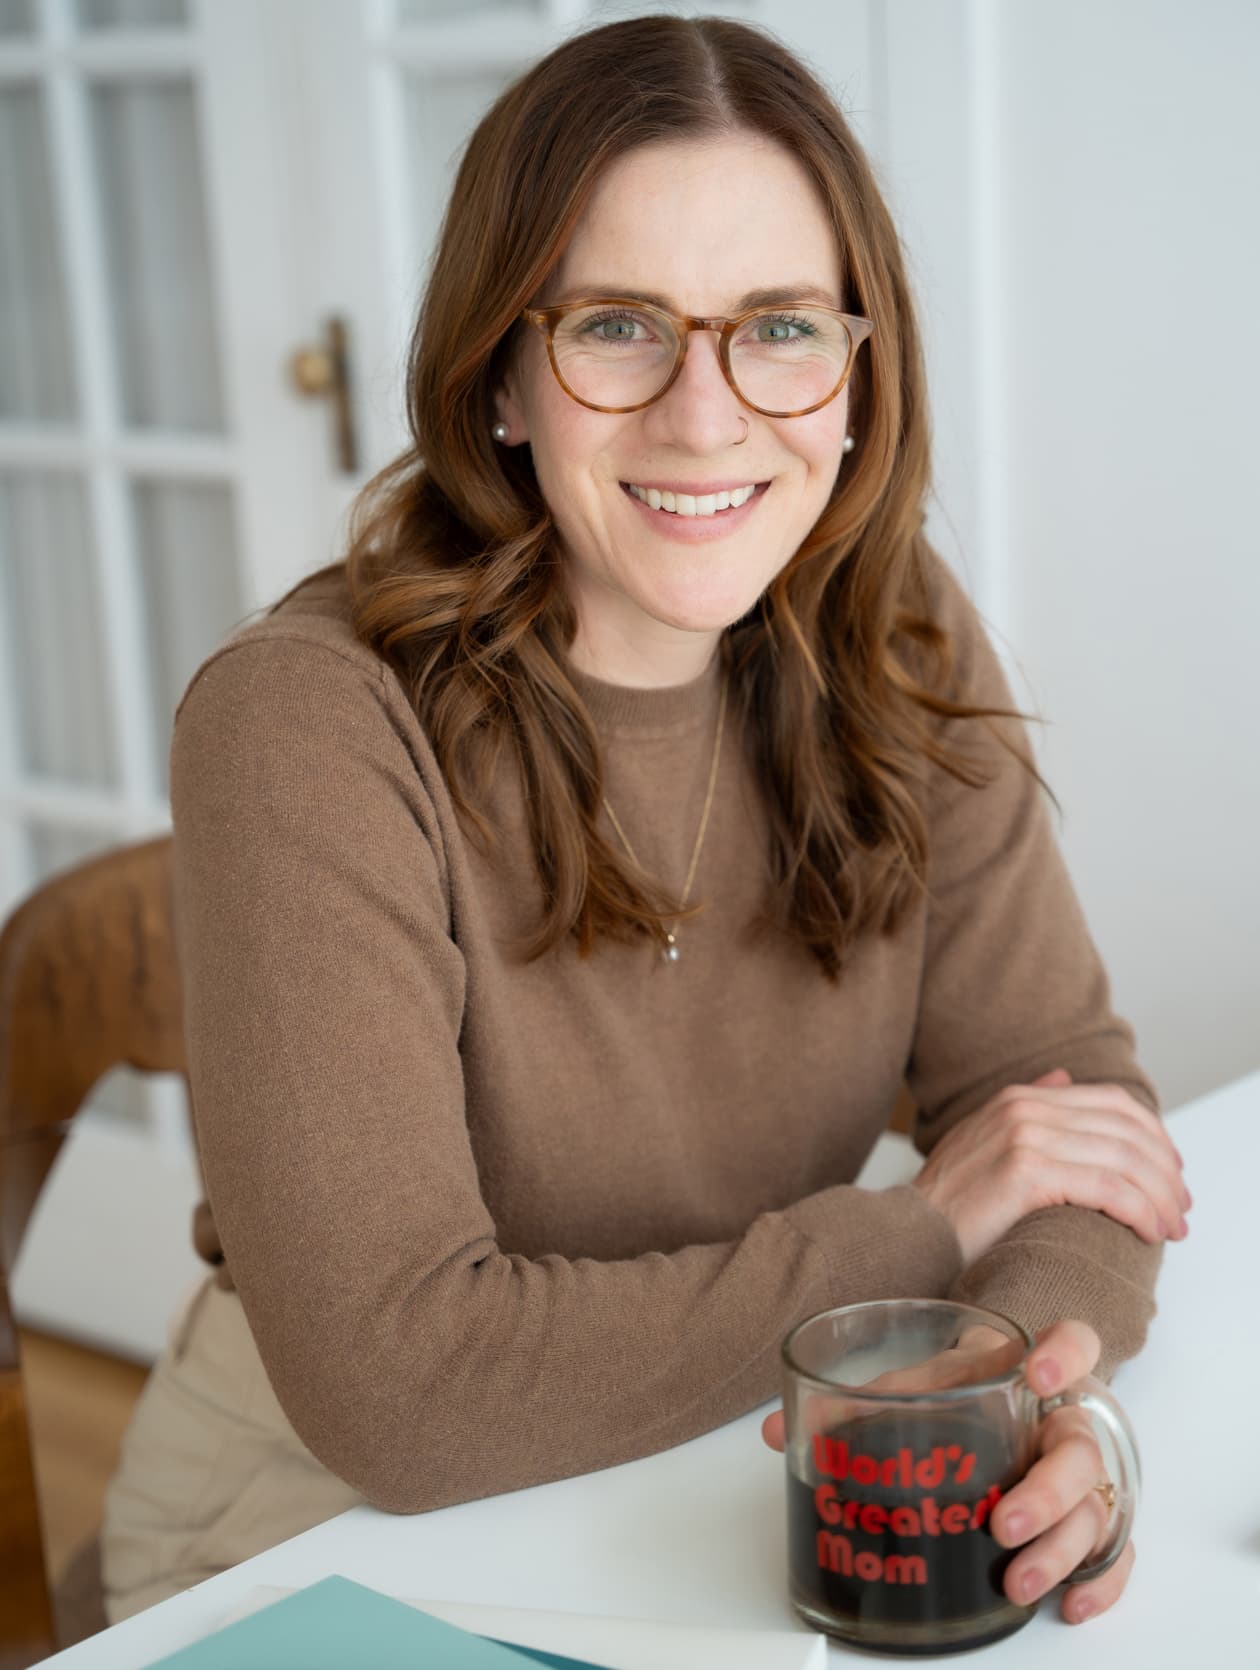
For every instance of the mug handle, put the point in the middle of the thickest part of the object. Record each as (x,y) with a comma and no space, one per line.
(1098,1403)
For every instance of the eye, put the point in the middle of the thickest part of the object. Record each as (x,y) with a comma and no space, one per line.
(614,326)
(782,327)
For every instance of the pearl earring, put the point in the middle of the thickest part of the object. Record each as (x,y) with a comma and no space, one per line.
(849,443)
(500,431)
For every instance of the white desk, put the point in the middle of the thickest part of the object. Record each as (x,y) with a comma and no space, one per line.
(696,1535)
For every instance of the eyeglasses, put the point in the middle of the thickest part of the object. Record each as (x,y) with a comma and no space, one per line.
(618,355)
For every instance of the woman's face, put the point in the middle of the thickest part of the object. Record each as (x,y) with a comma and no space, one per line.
(699,224)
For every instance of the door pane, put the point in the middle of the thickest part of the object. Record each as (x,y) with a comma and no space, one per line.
(428,11)
(190,571)
(132,14)
(48,609)
(55,847)
(16,17)
(36,369)
(157,248)
(439,117)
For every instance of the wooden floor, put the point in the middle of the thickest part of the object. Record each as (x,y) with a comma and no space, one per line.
(78,1403)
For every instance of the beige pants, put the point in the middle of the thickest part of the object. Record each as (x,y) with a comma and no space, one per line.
(211,1471)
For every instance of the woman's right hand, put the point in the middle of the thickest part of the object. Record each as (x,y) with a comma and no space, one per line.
(1053,1143)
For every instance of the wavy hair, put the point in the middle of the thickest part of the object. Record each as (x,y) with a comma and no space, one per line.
(839,674)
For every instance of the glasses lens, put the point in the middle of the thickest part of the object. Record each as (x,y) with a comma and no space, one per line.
(787,359)
(614,355)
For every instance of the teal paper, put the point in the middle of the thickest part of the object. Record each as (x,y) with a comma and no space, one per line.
(335,1624)
(553,1661)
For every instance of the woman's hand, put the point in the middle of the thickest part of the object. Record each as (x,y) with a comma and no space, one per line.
(1054,1515)
(1053,1143)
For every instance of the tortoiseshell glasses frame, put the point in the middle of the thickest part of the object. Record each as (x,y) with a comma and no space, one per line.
(547,318)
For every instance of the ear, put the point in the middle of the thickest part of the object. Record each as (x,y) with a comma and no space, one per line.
(507,404)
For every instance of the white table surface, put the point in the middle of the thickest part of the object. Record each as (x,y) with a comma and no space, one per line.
(696,1535)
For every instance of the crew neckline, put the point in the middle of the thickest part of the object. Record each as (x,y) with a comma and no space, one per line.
(624,707)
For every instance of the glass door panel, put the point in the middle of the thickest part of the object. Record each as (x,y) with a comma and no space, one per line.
(439,114)
(37,380)
(55,847)
(17,17)
(190,581)
(132,14)
(157,254)
(50,608)
(413,12)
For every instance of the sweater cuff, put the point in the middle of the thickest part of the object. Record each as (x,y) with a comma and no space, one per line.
(880,1244)
(1039,1284)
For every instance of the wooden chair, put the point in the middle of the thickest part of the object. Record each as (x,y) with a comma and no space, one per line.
(88,981)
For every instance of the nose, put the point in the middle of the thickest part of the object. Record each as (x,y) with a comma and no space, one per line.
(700,414)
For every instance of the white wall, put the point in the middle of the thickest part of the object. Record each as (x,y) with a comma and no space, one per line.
(1076,184)
(1130,261)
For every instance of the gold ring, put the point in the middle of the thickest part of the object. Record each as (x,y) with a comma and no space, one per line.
(1107,1491)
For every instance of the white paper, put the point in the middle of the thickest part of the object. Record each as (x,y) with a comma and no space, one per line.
(619,1643)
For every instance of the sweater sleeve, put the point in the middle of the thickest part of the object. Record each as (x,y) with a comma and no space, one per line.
(1012,987)
(324,998)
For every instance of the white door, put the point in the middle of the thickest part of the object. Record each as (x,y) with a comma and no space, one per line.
(159,478)
(189,195)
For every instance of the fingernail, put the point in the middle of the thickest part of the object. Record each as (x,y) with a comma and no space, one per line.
(1015,1527)
(1082,1609)
(1047,1373)
(1031,1584)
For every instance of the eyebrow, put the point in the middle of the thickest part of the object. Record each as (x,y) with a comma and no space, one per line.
(778,295)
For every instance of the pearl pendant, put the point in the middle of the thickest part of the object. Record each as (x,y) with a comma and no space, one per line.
(669,953)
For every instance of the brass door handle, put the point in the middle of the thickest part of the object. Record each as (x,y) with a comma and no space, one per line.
(322,371)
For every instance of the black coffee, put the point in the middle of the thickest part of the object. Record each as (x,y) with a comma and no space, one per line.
(890,1533)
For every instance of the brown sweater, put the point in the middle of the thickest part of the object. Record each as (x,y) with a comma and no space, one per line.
(493,1222)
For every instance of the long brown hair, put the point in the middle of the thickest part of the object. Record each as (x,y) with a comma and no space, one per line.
(453,563)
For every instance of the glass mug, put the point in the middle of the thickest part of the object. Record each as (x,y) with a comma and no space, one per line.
(890,1491)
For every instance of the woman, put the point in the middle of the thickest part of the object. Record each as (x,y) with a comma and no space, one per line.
(569,881)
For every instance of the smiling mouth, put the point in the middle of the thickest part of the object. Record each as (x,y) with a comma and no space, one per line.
(701,506)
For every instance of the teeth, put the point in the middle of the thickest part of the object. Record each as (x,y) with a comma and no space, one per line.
(688,504)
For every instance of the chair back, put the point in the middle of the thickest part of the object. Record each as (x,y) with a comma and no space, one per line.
(88,981)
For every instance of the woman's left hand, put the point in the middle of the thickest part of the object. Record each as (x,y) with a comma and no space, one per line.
(1054,1515)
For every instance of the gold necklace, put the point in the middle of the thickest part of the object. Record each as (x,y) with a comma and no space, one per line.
(669,951)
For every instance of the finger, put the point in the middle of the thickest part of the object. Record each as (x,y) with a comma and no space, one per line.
(1117,1100)
(1086,1600)
(1097,1113)
(1100,1190)
(1044,1117)
(1053,1488)
(772,1430)
(1055,1555)
(1120,1168)
(949,1369)
(1094,1140)
(1063,1354)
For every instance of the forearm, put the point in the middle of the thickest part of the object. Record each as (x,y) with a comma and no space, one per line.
(464,1376)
